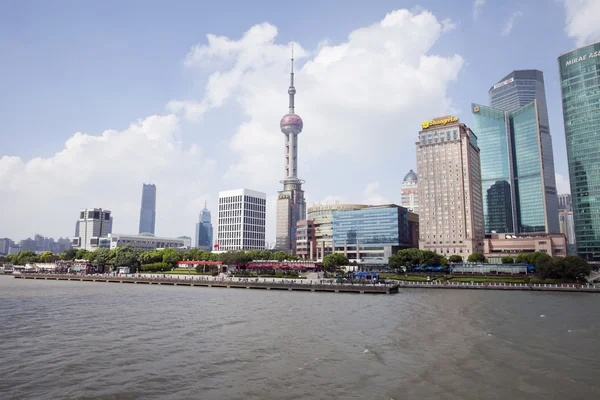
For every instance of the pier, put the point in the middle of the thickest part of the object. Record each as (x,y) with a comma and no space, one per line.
(230,283)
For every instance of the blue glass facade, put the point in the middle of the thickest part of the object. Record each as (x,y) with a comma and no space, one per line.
(371,229)
(148,209)
(204,231)
(516,196)
(580,87)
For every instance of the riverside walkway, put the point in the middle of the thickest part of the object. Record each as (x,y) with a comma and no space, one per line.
(231,283)
(540,287)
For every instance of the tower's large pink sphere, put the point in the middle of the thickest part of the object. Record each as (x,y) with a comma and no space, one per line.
(291,119)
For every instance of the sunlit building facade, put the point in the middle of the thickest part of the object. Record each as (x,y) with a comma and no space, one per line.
(580,87)
(517,197)
(410,192)
(242,216)
(450,204)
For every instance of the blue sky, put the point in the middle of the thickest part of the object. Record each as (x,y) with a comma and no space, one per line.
(74,66)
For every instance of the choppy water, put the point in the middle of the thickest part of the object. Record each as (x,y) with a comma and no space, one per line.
(83,340)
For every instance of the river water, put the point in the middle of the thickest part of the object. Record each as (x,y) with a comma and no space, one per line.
(85,340)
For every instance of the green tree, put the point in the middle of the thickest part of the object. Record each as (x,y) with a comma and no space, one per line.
(48,257)
(573,268)
(69,254)
(103,256)
(395,261)
(410,257)
(444,261)
(171,257)
(253,255)
(334,261)
(25,257)
(546,267)
(279,255)
(127,256)
(430,259)
(455,258)
(150,257)
(476,258)
(507,260)
(82,254)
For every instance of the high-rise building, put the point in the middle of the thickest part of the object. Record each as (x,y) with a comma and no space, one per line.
(450,203)
(148,209)
(242,216)
(204,231)
(94,223)
(76,229)
(410,192)
(5,244)
(567,228)
(564,202)
(517,197)
(580,87)
(512,94)
(291,206)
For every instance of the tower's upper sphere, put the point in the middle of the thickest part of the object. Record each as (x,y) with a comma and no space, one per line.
(291,122)
(292,90)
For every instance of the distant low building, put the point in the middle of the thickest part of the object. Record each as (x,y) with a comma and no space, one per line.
(144,241)
(497,246)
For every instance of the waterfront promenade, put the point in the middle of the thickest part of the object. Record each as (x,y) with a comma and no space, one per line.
(540,287)
(307,285)
(220,282)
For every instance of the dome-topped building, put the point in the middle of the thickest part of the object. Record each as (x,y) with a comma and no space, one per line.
(410,177)
(410,192)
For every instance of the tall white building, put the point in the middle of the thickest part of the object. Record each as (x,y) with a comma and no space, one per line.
(242,216)
(94,223)
(451,208)
(410,192)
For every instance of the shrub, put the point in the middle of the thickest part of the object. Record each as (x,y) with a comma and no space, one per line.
(156,267)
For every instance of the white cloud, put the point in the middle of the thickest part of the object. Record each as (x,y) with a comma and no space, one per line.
(107,171)
(477,7)
(362,102)
(582,20)
(364,96)
(562,184)
(372,196)
(448,25)
(511,22)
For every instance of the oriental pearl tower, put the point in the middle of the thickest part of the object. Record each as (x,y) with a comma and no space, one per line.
(291,206)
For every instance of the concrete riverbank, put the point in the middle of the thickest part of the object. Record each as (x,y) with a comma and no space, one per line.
(540,287)
(231,283)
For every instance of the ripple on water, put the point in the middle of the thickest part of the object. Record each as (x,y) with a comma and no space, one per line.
(67,340)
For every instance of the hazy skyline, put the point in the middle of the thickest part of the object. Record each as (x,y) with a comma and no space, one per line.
(98,98)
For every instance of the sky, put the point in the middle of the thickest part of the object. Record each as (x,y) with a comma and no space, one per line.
(97,98)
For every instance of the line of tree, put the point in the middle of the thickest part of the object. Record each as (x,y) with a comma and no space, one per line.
(134,257)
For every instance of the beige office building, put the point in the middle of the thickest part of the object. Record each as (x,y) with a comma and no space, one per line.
(450,204)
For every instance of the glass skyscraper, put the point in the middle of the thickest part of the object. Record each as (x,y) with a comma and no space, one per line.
(517,162)
(580,87)
(148,210)
(516,196)
(204,231)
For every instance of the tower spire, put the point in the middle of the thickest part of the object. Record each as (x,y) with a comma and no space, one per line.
(292,89)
